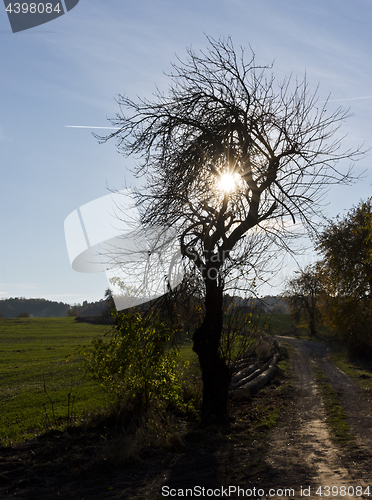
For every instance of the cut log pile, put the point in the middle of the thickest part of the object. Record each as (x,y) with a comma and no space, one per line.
(252,374)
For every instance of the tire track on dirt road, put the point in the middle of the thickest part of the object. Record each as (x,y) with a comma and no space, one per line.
(301,453)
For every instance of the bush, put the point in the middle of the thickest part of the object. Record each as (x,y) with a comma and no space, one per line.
(23,315)
(135,361)
(350,320)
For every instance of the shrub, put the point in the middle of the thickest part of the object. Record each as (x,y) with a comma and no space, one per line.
(23,315)
(135,361)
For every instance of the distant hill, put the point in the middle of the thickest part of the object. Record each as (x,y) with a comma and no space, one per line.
(42,308)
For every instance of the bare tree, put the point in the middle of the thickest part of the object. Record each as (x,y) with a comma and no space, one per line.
(231,158)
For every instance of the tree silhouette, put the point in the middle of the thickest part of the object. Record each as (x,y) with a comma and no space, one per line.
(303,294)
(277,146)
(345,247)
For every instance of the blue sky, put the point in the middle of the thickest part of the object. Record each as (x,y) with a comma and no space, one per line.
(68,71)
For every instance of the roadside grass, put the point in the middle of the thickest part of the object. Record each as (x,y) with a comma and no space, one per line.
(271,419)
(40,386)
(357,369)
(285,364)
(336,417)
(186,352)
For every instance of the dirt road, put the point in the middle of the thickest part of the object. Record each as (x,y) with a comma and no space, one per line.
(301,454)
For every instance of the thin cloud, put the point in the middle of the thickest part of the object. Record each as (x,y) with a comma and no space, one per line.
(349,99)
(21,285)
(65,295)
(87,126)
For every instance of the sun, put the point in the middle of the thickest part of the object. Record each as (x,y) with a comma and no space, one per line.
(227,183)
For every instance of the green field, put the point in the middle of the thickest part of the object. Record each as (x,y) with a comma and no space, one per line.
(40,385)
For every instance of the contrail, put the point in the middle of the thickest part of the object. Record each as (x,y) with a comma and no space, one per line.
(349,99)
(87,126)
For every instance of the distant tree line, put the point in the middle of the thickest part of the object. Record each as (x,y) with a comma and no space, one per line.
(268,304)
(88,308)
(43,308)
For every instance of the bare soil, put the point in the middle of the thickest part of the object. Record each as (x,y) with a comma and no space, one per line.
(297,453)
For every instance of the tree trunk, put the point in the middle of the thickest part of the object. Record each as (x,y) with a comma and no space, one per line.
(215,373)
(311,312)
(312,323)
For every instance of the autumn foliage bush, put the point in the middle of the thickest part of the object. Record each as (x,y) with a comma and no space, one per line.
(346,275)
(137,362)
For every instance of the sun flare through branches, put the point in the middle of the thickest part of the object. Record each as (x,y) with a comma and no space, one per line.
(227,182)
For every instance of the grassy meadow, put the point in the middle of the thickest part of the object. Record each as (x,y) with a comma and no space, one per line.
(42,381)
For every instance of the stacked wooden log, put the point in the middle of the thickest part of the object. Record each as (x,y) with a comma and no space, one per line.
(252,374)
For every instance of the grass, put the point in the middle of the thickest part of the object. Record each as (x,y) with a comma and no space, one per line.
(42,382)
(278,324)
(186,352)
(271,419)
(359,371)
(285,364)
(336,417)
(40,386)
(281,324)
